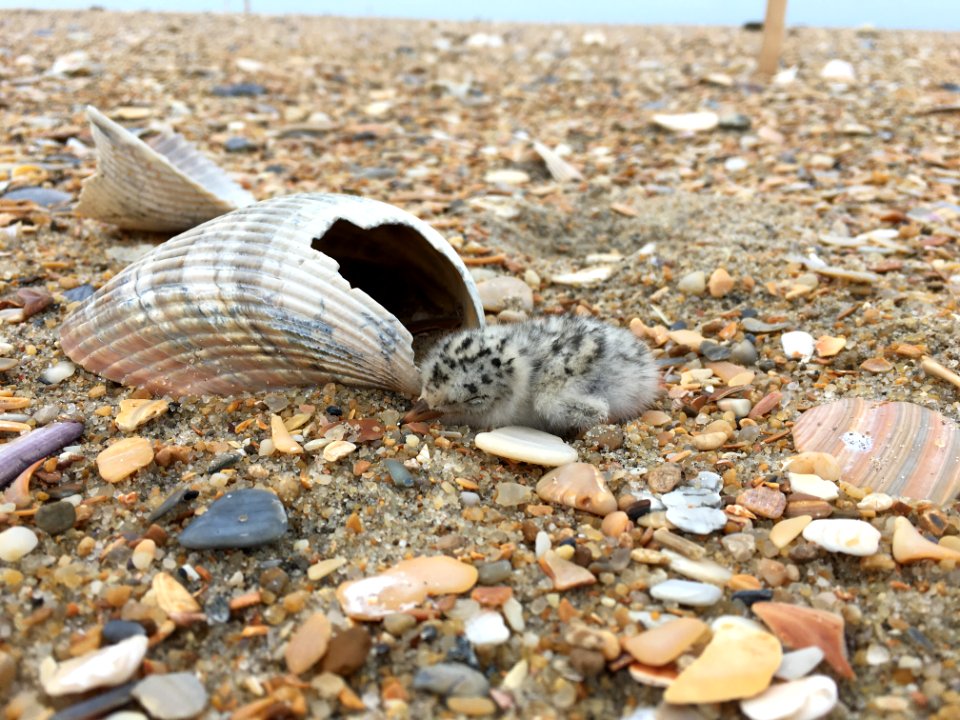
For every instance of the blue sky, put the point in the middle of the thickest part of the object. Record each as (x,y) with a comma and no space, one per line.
(919,14)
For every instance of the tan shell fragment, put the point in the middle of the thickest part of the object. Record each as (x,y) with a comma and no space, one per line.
(162,185)
(577,485)
(284,293)
(172,597)
(134,413)
(124,458)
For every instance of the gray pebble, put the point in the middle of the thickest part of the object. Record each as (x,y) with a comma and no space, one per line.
(55,518)
(116,630)
(734,121)
(494,573)
(469,499)
(45,197)
(451,679)
(755,325)
(176,696)
(46,415)
(743,353)
(240,519)
(714,351)
(400,475)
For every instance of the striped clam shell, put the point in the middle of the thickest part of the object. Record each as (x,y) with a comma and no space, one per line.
(297,290)
(163,185)
(898,448)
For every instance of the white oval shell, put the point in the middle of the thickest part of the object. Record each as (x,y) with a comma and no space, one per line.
(262,298)
(166,185)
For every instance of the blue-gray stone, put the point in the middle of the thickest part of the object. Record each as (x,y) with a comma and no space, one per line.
(400,475)
(240,519)
(79,293)
(451,679)
(116,630)
(45,197)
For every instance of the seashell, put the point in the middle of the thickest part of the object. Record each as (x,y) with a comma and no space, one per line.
(898,448)
(282,293)
(176,186)
(844,535)
(580,486)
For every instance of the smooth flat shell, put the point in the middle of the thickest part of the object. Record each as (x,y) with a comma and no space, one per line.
(580,486)
(844,535)
(240,519)
(526,445)
(176,186)
(295,291)
(105,667)
(665,643)
(898,448)
(687,592)
(800,627)
(805,699)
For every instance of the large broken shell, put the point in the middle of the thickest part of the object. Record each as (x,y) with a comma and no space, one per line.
(262,298)
(898,448)
(164,184)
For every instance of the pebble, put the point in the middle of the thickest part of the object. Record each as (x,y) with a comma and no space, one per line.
(853,537)
(739,662)
(175,696)
(744,352)
(799,663)
(493,573)
(720,283)
(713,351)
(44,197)
(741,546)
(703,570)
(565,574)
(786,531)
(16,542)
(589,663)
(56,374)
(665,643)
(687,592)
(505,292)
(124,458)
(798,345)
(801,627)
(55,518)
(238,144)
(694,283)
(910,546)
(398,623)
(472,706)
(451,679)
(526,445)
(338,450)
(347,651)
(115,631)
(171,596)
(8,671)
(487,628)
(144,554)
(308,643)
(664,478)
(580,486)
(398,473)
(755,325)
(763,501)
(100,704)
(105,667)
(511,494)
(240,519)
(810,484)
(804,699)
(243,89)
(79,293)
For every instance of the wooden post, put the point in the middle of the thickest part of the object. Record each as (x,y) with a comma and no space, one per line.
(773,24)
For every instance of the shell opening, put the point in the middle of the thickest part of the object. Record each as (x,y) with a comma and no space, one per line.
(412,279)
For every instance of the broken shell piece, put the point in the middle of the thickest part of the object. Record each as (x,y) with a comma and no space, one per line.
(665,643)
(805,699)
(565,574)
(579,486)
(559,169)
(853,537)
(134,413)
(737,663)
(175,188)
(105,667)
(814,463)
(283,293)
(898,448)
(910,546)
(828,346)
(687,122)
(798,345)
(800,627)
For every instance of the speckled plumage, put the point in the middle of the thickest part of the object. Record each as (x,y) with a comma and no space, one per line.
(559,374)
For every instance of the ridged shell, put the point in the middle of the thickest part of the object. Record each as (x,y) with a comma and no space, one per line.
(164,185)
(262,298)
(898,448)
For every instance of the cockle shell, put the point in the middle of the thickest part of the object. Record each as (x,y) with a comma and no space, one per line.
(282,293)
(898,448)
(164,184)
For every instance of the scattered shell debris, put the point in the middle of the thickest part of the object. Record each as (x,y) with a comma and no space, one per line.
(210,501)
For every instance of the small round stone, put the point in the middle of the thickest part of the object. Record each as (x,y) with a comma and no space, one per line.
(55,518)
(16,542)
(347,652)
(453,679)
(115,631)
(176,696)
(494,573)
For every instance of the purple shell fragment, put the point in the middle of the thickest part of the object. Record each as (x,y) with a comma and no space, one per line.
(17,455)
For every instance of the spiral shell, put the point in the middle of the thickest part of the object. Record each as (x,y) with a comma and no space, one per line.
(292,291)
(898,448)
(165,185)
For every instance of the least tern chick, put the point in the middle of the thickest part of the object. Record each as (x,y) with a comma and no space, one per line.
(559,374)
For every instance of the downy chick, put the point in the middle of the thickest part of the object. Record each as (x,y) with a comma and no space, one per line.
(560,374)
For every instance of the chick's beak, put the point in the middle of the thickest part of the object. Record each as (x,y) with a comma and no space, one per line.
(421,412)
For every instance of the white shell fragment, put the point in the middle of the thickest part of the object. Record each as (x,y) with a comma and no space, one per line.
(853,537)
(799,663)
(106,667)
(687,122)
(283,293)
(559,169)
(810,484)
(687,592)
(175,188)
(798,345)
(526,445)
(806,699)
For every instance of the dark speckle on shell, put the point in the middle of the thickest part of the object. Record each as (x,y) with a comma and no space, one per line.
(240,519)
